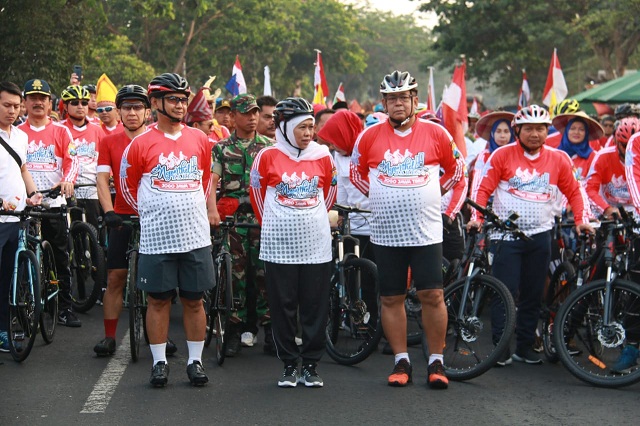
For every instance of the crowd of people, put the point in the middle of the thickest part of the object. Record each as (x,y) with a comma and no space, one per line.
(183,161)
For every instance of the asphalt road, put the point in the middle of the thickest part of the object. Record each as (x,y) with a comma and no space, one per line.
(65,384)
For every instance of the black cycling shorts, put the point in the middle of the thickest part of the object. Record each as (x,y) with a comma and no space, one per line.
(117,247)
(393,265)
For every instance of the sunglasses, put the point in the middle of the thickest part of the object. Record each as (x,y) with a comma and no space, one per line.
(77,102)
(175,99)
(104,109)
(129,107)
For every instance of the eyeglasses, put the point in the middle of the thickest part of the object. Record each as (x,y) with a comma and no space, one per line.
(76,102)
(100,110)
(404,99)
(607,125)
(175,100)
(129,107)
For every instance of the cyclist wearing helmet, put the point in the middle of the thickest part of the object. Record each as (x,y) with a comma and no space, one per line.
(232,161)
(525,178)
(397,164)
(165,176)
(626,110)
(293,185)
(52,162)
(567,106)
(133,106)
(86,138)
(92,115)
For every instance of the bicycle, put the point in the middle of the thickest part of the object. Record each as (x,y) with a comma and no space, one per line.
(220,304)
(354,327)
(86,257)
(481,312)
(33,296)
(593,324)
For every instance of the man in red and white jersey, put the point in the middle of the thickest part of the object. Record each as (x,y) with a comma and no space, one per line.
(86,138)
(397,163)
(166,177)
(133,106)
(52,162)
(526,178)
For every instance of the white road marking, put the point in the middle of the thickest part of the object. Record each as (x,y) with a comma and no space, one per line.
(106,385)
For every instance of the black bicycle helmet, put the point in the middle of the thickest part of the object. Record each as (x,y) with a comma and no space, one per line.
(166,83)
(397,81)
(91,88)
(626,110)
(132,92)
(288,108)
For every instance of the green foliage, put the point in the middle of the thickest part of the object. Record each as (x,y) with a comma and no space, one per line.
(113,55)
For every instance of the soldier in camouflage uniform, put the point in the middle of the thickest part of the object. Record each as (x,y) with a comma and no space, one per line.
(232,160)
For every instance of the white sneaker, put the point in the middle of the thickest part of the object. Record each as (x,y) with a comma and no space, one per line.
(248,339)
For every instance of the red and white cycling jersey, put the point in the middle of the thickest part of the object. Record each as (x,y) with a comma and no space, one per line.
(87,142)
(607,183)
(111,149)
(112,130)
(530,186)
(290,196)
(632,169)
(166,179)
(51,156)
(400,172)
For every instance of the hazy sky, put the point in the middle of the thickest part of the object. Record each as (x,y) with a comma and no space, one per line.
(398,7)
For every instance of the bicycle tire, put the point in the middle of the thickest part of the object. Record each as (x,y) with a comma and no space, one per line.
(224,306)
(596,347)
(48,294)
(136,308)
(354,329)
(87,264)
(470,347)
(25,313)
(561,285)
(207,302)
(413,310)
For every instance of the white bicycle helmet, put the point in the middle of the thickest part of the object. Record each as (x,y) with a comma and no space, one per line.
(397,81)
(533,114)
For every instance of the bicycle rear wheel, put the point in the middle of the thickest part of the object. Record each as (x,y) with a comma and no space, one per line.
(25,312)
(49,294)
(88,269)
(207,301)
(354,327)
(587,346)
(223,306)
(561,284)
(476,338)
(136,307)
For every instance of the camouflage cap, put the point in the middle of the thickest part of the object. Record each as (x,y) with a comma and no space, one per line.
(243,103)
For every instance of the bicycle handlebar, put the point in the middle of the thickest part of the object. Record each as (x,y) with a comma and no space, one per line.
(341,209)
(55,192)
(30,211)
(507,225)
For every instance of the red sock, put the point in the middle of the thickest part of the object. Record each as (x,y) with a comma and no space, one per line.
(110,326)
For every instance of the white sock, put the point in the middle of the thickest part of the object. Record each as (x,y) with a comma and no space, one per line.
(401,355)
(195,351)
(436,357)
(159,352)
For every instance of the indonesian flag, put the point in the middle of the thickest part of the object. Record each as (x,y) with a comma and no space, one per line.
(556,88)
(474,107)
(454,108)
(236,84)
(339,97)
(431,93)
(525,94)
(321,89)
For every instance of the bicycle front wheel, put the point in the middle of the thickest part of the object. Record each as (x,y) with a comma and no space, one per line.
(136,307)
(88,269)
(592,347)
(561,285)
(480,332)
(24,309)
(49,294)
(354,327)
(223,306)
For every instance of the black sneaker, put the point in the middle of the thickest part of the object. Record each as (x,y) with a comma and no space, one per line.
(310,377)
(67,318)
(290,376)
(436,376)
(505,359)
(401,374)
(171,347)
(159,374)
(269,346)
(196,374)
(233,344)
(528,356)
(106,346)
